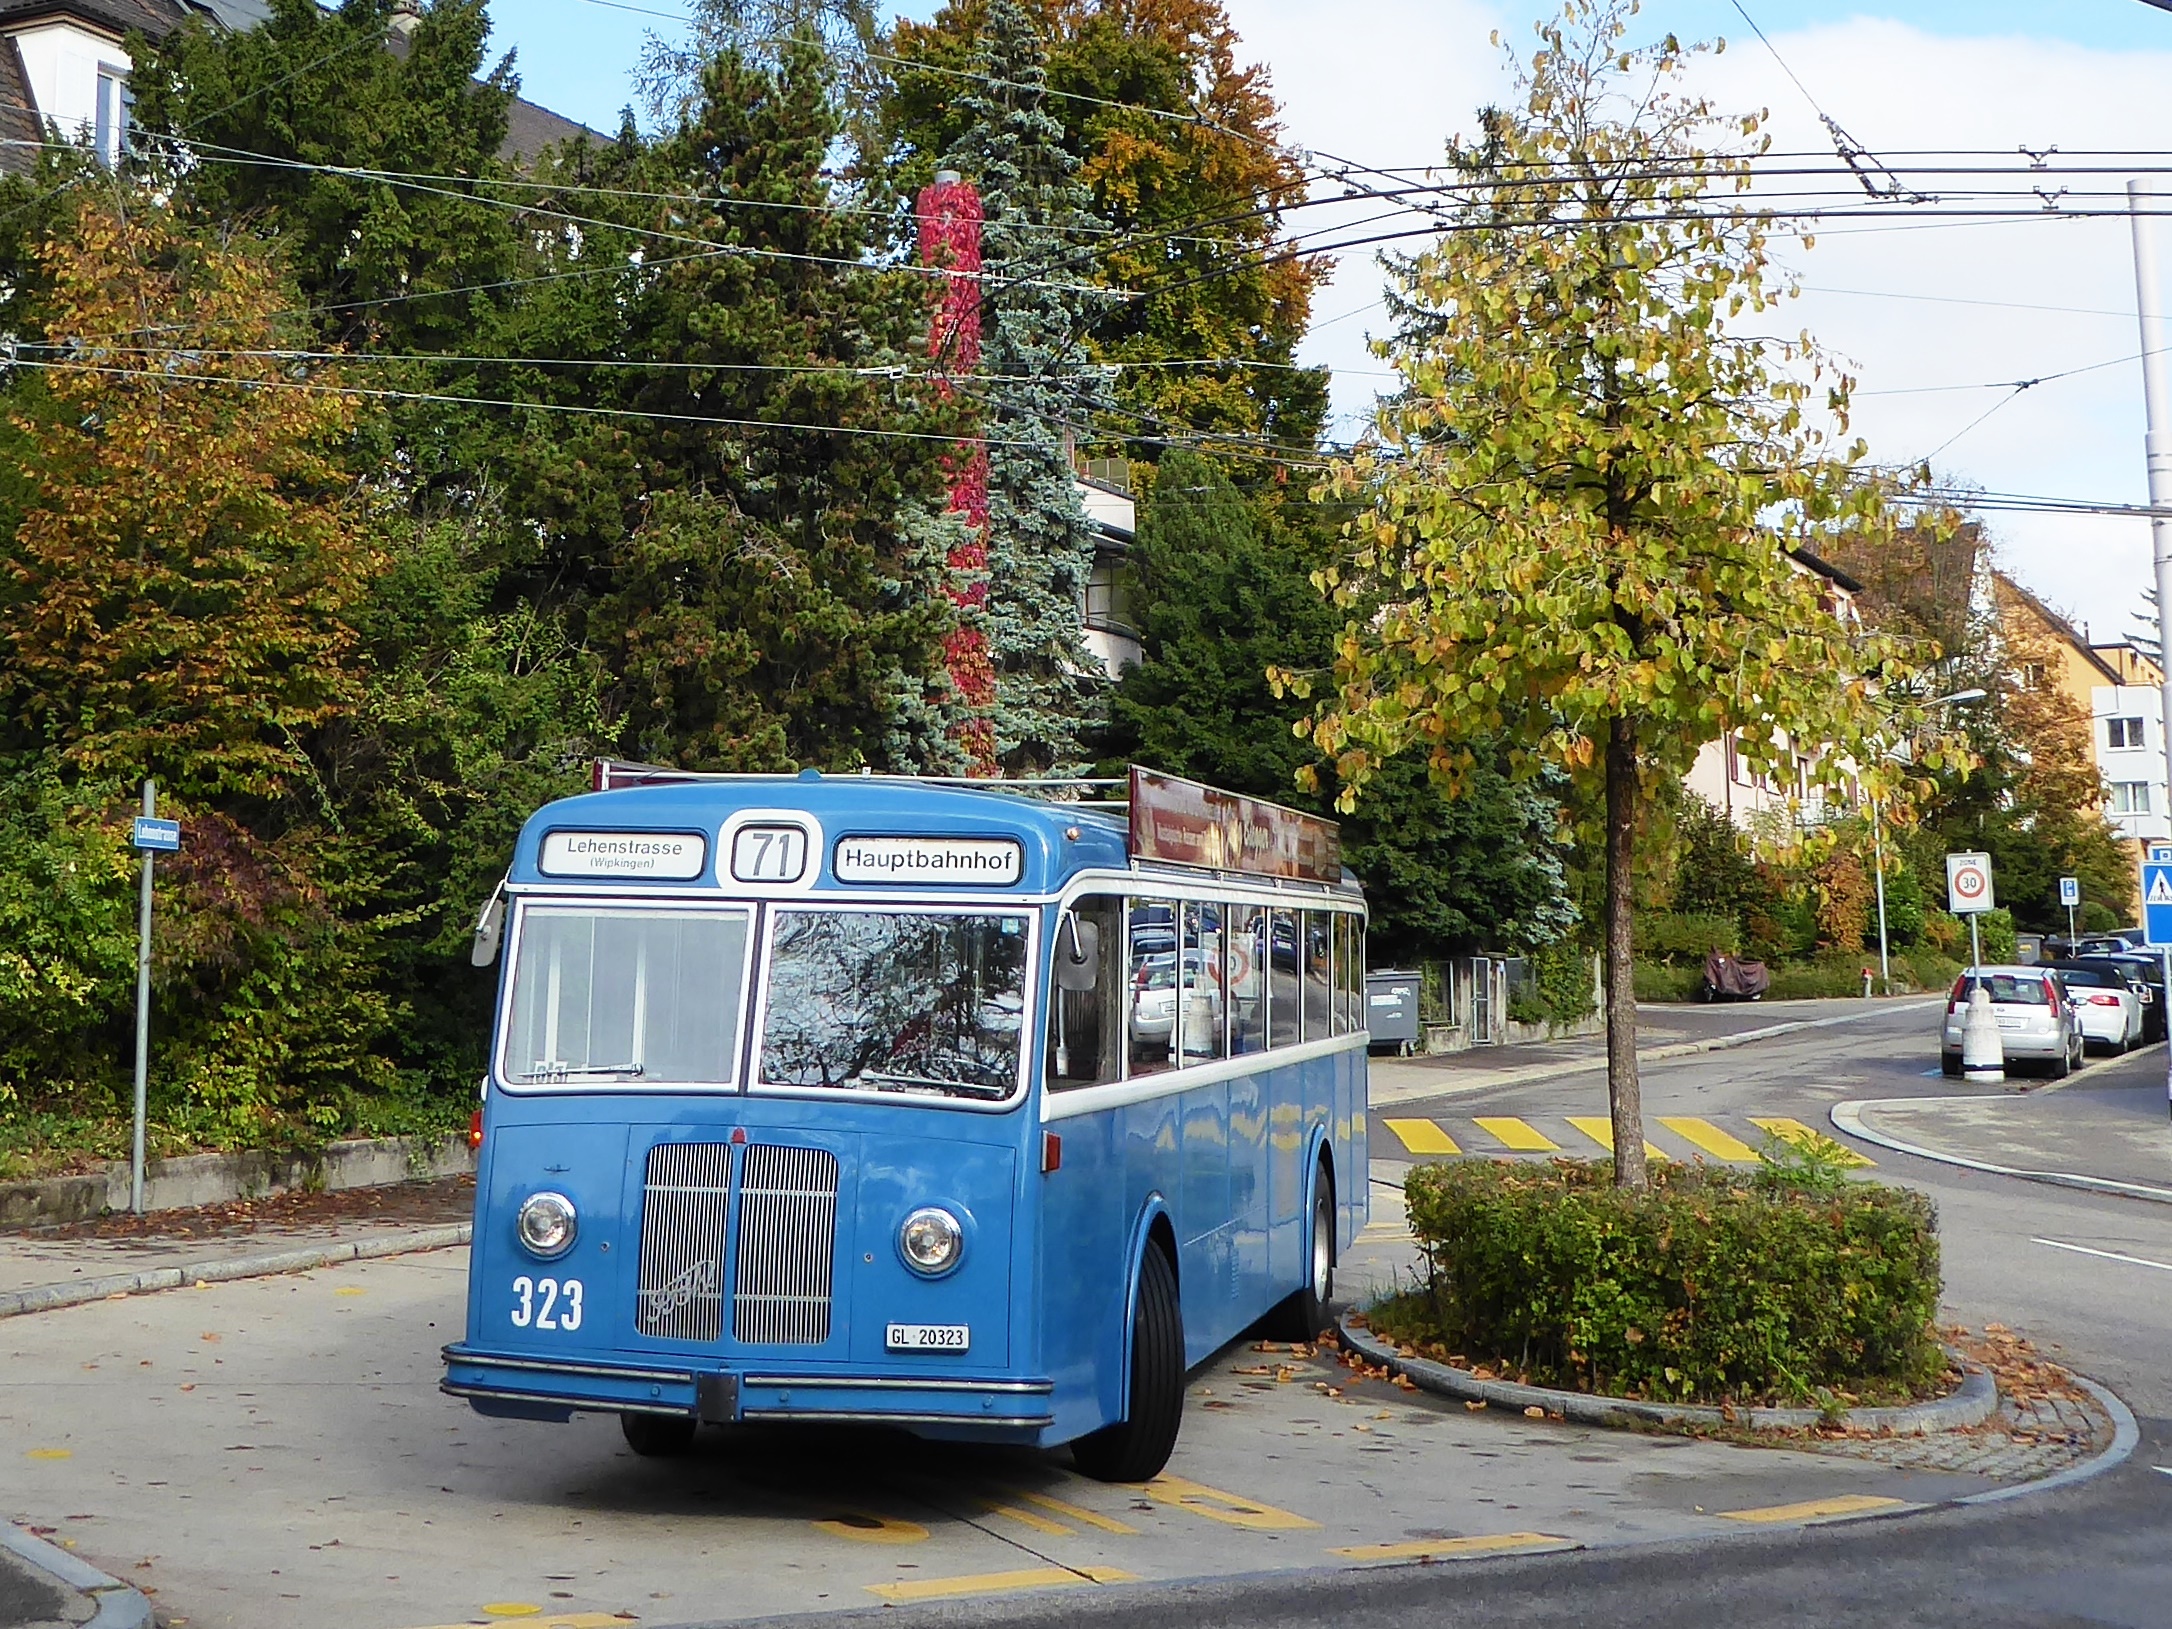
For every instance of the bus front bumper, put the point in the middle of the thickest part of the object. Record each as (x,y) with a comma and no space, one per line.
(548,1389)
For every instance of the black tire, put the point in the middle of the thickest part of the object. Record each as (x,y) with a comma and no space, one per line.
(658,1436)
(1138,1446)
(1301,1315)
(1949,1063)
(2064,1067)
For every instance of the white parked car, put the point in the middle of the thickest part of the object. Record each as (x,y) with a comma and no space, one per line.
(2036,1019)
(2105,1003)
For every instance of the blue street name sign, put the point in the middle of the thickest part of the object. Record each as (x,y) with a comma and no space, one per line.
(159,836)
(2157,903)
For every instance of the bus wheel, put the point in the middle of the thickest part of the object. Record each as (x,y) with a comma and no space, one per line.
(658,1436)
(1303,1315)
(1138,1446)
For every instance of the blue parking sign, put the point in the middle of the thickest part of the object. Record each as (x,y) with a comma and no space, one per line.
(2157,903)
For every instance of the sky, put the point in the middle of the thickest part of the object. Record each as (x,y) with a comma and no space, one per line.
(1937,321)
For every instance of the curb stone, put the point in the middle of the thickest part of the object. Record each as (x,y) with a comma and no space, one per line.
(1976,1400)
(119,1605)
(1848,1117)
(48,1297)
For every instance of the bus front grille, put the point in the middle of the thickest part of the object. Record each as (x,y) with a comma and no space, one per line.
(686,1209)
(787,1235)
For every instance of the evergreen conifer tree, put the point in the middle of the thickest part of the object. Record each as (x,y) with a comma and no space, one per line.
(1039,399)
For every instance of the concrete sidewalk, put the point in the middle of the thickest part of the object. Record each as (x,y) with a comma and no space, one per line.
(100,1256)
(1669,1031)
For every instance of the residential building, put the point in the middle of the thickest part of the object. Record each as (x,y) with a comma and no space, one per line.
(1723,777)
(1105,488)
(64,73)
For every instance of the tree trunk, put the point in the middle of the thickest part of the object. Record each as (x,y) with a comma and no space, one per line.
(1625,1098)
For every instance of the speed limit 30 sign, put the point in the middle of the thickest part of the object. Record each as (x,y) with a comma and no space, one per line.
(1968,884)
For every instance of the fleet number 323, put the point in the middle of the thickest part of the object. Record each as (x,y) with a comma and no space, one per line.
(547,1303)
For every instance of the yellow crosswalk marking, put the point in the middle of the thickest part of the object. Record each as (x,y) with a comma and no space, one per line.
(993,1583)
(1079,1513)
(1795,1131)
(1511,1132)
(1601,1131)
(1216,1505)
(1422,1136)
(1027,1518)
(1444,1549)
(1705,1135)
(1846,1504)
(865,1527)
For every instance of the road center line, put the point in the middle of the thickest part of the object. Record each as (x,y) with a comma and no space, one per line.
(2108,1255)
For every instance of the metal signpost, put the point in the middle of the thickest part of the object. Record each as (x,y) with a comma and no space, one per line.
(152,836)
(2070,896)
(1968,893)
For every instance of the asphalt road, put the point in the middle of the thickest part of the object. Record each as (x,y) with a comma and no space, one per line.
(272,1452)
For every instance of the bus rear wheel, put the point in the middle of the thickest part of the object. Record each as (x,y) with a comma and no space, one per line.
(1304,1314)
(1139,1445)
(657,1436)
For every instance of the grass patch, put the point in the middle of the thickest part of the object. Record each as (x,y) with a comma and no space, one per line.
(1787,1285)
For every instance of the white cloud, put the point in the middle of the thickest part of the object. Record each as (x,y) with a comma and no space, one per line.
(1894,88)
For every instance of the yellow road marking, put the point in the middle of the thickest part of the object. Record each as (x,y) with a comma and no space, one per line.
(1601,1131)
(1422,1136)
(1795,1131)
(350,1289)
(1705,1135)
(49,1453)
(1846,1504)
(1218,1506)
(992,1583)
(1478,1544)
(865,1527)
(511,1609)
(557,1620)
(1078,1513)
(1040,1524)
(1511,1132)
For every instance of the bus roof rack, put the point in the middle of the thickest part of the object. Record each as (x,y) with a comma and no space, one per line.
(612,774)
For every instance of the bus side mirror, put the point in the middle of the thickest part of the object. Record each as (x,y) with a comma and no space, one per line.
(489,929)
(1078,954)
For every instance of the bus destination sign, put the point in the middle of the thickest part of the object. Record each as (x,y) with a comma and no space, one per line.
(675,856)
(990,862)
(1184,823)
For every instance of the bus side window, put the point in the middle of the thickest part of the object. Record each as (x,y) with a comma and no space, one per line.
(1151,967)
(1341,919)
(1085,1027)
(1319,970)
(1358,1020)
(1285,976)
(1246,936)
(1205,1014)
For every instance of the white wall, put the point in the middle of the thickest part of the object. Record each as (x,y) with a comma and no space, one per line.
(2124,764)
(63,62)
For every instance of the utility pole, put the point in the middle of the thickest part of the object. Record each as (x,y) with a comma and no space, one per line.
(143,1010)
(2142,199)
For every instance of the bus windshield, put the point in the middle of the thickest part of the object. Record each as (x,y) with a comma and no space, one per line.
(896,1001)
(626,997)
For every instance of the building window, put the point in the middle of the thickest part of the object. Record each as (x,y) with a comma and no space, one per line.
(1108,597)
(2124,732)
(2130,797)
(111,129)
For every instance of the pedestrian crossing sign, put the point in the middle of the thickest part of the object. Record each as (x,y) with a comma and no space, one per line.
(2157,903)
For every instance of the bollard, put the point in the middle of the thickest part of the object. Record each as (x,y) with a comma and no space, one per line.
(1983,1054)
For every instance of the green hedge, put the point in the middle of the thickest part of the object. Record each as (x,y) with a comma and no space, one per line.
(1712,1286)
(1655,981)
(1682,936)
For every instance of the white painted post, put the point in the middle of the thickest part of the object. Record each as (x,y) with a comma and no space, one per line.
(143,1011)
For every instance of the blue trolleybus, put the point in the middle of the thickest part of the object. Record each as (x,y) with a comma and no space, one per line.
(972,1111)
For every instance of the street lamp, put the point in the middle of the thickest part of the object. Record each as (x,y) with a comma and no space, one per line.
(1959,698)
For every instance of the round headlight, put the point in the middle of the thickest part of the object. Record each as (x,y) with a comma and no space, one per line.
(932,1240)
(546,1224)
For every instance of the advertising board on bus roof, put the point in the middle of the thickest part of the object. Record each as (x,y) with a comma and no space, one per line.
(1181,822)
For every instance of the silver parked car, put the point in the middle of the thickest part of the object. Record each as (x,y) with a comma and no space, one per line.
(2037,1023)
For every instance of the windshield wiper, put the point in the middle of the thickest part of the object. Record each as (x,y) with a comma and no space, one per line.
(881,1077)
(566,1071)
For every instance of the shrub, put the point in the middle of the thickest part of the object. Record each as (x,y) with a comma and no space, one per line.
(1560,989)
(1655,981)
(2098,917)
(1711,1286)
(1830,975)
(1925,969)
(1681,936)
(1997,931)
